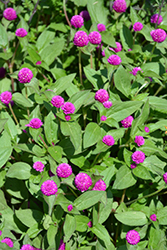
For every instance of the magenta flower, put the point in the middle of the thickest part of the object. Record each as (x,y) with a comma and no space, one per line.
(138,157)
(133,165)
(70,207)
(102,95)
(94,37)
(27,247)
(8,241)
(21,32)
(85,14)
(49,187)
(127,122)
(158,35)
(133,237)
(165,177)
(82,181)
(57,101)
(147,130)
(6,97)
(38,166)
(114,60)
(77,21)
(68,108)
(100,186)
(35,123)
(64,170)
(156,17)
(135,70)
(81,38)
(103,118)
(108,140)
(119,6)
(67,117)
(118,47)
(0,232)
(9,14)
(89,224)
(153,217)
(139,140)
(137,26)
(103,53)
(107,104)
(62,245)
(38,63)
(25,75)
(101,27)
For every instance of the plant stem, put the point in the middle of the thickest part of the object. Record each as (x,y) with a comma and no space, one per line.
(158,90)
(13,114)
(123,196)
(95,160)
(153,50)
(73,191)
(43,141)
(28,112)
(80,67)
(65,13)
(91,61)
(34,11)
(160,8)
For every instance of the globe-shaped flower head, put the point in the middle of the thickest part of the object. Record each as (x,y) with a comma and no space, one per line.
(68,108)
(158,35)
(94,37)
(62,245)
(34,123)
(107,104)
(77,21)
(153,217)
(85,14)
(100,186)
(135,70)
(9,14)
(82,181)
(102,95)
(70,207)
(57,101)
(25,75)
(101,27)
(127,122)
(49,187)
(81,38)
(114,60)
(38,166)
(156,17)
(64,170)
(21,32)
(8,242)
(139,140)
(118,47)
(137,26)
(6,97)
(133,237)
(138,157)
(103,118)
(108,140)
(27,247)
(119,6)
(165,177)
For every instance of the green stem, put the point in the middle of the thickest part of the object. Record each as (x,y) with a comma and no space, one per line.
(28,112)
(95,160)
(80,67)
(13,114)
(153,50)
(43,141)
(159,89)
(91,61)
(73,191)
(123,196)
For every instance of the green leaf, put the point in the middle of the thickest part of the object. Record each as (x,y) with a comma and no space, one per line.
(156,239)
(33,54)
(122,81)
(5,148)
(142,172)
(16,188)
(56,153)
(3,204)
(81,223)
(97,11)
(127,156)
(69,226)
(19,170)
(150,148)
(45,38)
(161,216)
(29,217)
(132,218)
(62,84)
(92,134)
(22,101)
(108,174)
(78,99)
(80,2)
(108,38)
(158,103)
(50,128)
(10,126)
(51,233)
(6,56)
(2,124)
(105,210)
(3,36)
(124,178)
(133,16)
(126,38)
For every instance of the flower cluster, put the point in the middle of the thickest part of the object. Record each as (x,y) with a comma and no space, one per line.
(8,241)
(25,75)
(64,170)
(57,101)
(94,37)
(81,38)
(34,123)
(158,35)
(102,95)
(108,140)
(139,140)
(101,27)
(85,14)
(119,6)
(70,207)
(49,187)
(133,237)
(135,70)
(6,97)
(137,26)
(114,60)
(38,166)
(77,21)
(21,32)
(118,47)
(138,157)
(103,118)
(127,122)
(27,247)
(165,177)
(153,217)
(9,14)
(83,181)
(107,104)
(155,18)
(68,108)
(100,186)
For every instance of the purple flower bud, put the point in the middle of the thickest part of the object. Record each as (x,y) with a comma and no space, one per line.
(114,60)
(147,130)
(25,75)
(138,157)
(133,165)
(135,70)
(27,247)
(62,245)
(154,19)
(77,21)
(0,232)
(21,32)
(119,6)
(102,95)
(127,122)
(9,14)
(81,38)
(118,47)
(89,224)
(67,117)
(64,170)
(100,186)
(85,15)
(158,35)
(8,241)
(49,187)
(139,140)
(6,97)
(68,108)
(38,166)
(108,140)
(94,37)
(107,104)
(165,177)
(38,63)
(82,181)
(153,217)
(101,27)
(137,26)
(57,101)
(133,237)
(103,118)
(70,207)
(35,123)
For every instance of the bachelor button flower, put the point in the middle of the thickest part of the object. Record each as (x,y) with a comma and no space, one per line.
(165,177)
(38,63)
(119,6)
(68,108)
(21,32)
(9,14)
(153,217)
(6,97)
(108,140)
(154,19)
(127,122)
(118,48)
(107,104)
(85,14)
(139,140)
(35,123)
(137,26)
(102,95)
(49,187)
(103,118)
(25,75)
(67,117)
(147,130)
(101,27)
(100,186)
(27,247)
(8,241)
(158,35)
(81,38)
(70,207)
(2,72)
(135,70)
(114,60)
(64,170)
(132,237)
(57,101)
(82,181)
(77,21)
(38,166)
(89,224)
(133,165)
(94,37)
(138,157)
(62,245)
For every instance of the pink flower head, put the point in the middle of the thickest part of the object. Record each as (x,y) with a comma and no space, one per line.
(133,165)
(133,237)
(67,117)
(27,247)
(139,140)
(165,177)
(153,217)
(38,166)
(70,207)
(138,157)
(68,108)
(38,63)
(100,186)
(158,35)
(21,32)
(107,104)
(103,53)
(114,60)
(94,37)
(102,95)
(119,6)
(101,27)
(77,21)
(6,97)
(8,241)
(64,170)
(147,130)
(108,140)
(49,187)
(82,181)
(137,26)
(0,232)
(127,122)
(81,38)
(135,70)
(103,118)
(62,245)
(25,75)
(85,14)
(89,224)
(57,101)
(35,123)
(9,14)
(118,48)
(156,17)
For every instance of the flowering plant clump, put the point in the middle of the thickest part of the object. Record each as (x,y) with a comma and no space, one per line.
(118,47)
(153,217)
(68,108)
(119,6)
(107,104)
(8,241)
(100,186)
(70,207)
